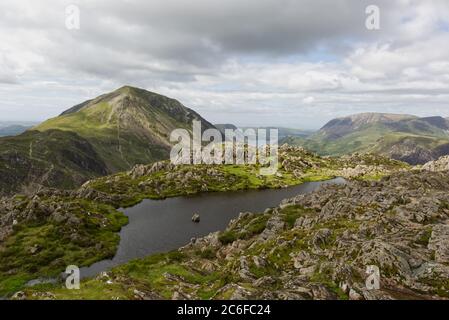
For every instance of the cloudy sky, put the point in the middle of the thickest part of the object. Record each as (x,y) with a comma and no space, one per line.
(294,63)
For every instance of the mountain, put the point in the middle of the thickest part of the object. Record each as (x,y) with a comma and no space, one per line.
(285,132)
(100,136)
(341,127)
(12,130)
(223,126)
(402,137)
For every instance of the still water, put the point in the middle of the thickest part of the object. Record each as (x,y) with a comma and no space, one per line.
(163,225)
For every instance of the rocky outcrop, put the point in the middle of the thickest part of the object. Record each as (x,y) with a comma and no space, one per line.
(143,170)
(398,224)
(319,246)
(439,242)
(442,164)
(312,246)
(361,170)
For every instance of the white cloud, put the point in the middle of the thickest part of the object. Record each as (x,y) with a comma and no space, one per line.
(308,100)
(291,63)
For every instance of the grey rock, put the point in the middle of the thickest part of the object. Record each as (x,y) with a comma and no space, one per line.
(439,242)
(196,218)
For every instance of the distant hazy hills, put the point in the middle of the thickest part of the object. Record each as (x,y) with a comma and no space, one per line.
(107,134)
(12,130)
(282,132)
(285,132)
(402,137)
(129,126)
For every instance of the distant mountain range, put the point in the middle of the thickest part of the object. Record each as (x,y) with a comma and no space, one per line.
(12,130)
(282,132)
(110,133)
(285,132)
(403,137)
(130,126)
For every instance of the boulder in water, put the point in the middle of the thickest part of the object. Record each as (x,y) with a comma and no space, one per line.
(196,218)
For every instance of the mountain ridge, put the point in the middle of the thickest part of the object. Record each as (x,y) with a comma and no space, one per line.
(125,127)
(403,137)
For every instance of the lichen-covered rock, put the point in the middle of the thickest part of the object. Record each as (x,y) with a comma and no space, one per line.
(442,164)
(439,241)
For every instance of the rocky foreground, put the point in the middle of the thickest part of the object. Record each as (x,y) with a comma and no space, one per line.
(313,246)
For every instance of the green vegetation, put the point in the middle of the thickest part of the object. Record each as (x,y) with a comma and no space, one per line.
(59,247)
(425,237)
(128,126)
(324,277)
(163,275)
(246,228)
(191,179)
(43,246)
(50,158)
(81,227)
(323,255)
(105,135)
(291,213)
(401,137)
(360,141)
(160,272)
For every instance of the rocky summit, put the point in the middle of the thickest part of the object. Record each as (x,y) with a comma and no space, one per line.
(313,246)
(317,246)
(49,229)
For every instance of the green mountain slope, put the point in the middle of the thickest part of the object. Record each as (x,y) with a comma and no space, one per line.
(104,135)
(51,158)
(402,137)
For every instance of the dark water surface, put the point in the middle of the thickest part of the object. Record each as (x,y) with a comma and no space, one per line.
(164,225)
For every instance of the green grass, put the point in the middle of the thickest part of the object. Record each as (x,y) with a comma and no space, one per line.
(158,273)
(99,124)
(425,237)
(227,237)
(88,122)
(377,138)
(44,248)
(323,277)
(57,248)
(358,141)
(246,228)
(291,213)
(230,178)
